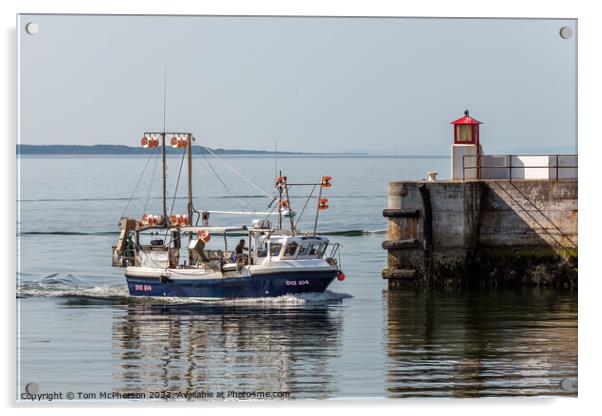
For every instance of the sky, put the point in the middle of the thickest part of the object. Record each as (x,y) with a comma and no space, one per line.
(313,84)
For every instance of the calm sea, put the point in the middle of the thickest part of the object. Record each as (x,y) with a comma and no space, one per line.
(79,331)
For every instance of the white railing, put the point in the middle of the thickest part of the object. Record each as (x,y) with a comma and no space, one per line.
(513,167)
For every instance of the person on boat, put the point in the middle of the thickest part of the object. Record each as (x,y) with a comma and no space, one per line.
(239,250)
(199,247)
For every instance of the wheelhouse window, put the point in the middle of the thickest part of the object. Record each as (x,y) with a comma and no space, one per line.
(304,250)
(322,249)
(291,248)
(262,251)
(275,249)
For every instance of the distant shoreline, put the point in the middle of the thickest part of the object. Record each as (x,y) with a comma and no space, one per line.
(116,149)
(121,150)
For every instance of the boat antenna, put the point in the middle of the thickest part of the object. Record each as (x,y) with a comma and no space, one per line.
(163,150)
(276,159)
(318,207)
(280,204)
(164,96)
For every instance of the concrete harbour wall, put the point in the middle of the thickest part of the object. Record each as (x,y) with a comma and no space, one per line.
(482,233)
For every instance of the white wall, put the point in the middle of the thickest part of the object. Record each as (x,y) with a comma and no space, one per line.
(531,167)
(458,151)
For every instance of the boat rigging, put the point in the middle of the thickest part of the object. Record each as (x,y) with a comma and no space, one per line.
(268,261)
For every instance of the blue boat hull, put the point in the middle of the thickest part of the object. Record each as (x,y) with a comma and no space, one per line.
(268,285)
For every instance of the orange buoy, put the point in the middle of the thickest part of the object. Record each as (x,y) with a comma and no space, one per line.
(144,142)
(173,220)
(174,142)
(326,181)
(183,219)
(322,205)
(280,181)
(340,276)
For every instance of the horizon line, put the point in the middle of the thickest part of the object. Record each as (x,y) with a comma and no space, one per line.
(139,151)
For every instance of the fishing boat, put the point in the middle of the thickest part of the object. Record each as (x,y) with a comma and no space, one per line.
(182,255)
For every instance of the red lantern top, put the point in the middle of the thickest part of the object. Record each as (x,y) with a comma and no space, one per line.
(466,120)
(466,130)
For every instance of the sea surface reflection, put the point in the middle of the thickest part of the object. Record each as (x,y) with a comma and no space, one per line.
(192,348)
(496,343)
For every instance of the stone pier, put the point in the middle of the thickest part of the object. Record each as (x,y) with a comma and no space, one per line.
(482,233)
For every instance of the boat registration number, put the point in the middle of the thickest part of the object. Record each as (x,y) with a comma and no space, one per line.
(143,288)
(297,282)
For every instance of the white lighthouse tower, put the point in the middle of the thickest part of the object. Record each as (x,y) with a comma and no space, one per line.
(466,150)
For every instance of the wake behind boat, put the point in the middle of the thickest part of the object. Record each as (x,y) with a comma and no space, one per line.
(170,255)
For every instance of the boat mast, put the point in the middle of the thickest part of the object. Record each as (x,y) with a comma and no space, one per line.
(164,180)
(318,208)
(280,203)
(190,207)
(163,148)
(290,209)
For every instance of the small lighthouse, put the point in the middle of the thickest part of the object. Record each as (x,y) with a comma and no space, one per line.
(466,148)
